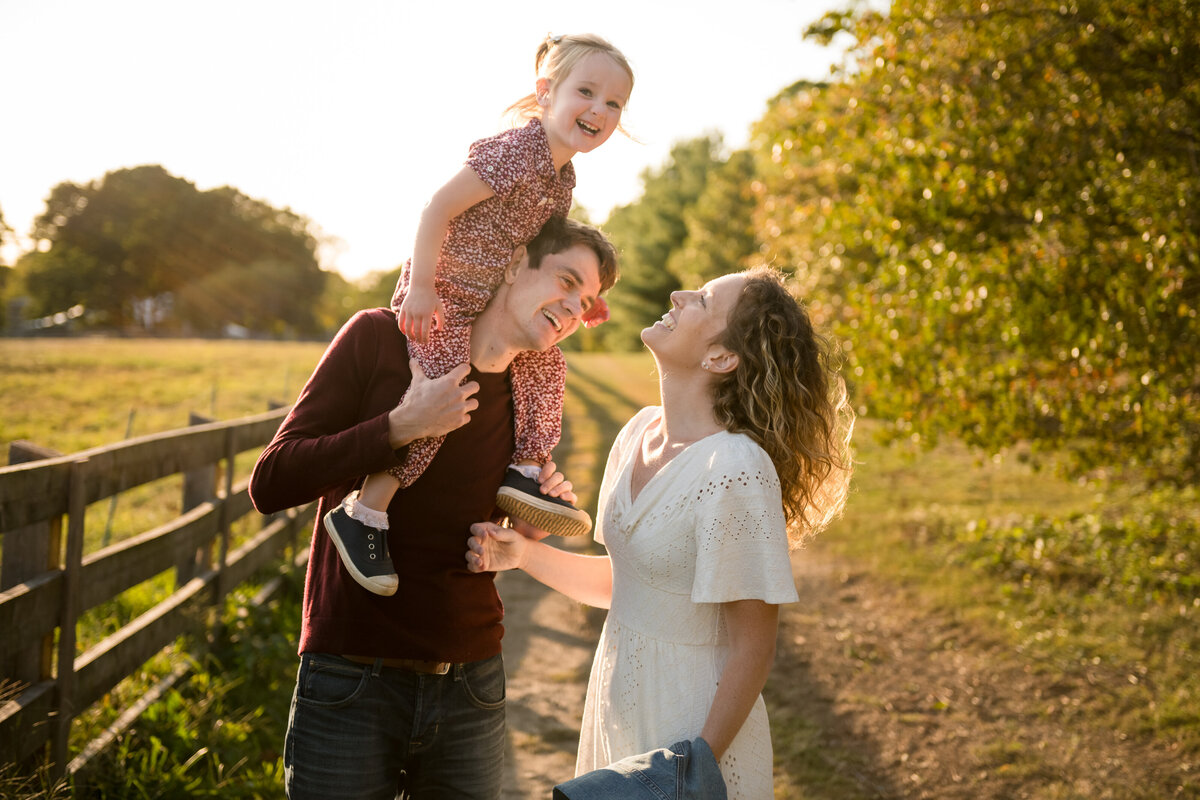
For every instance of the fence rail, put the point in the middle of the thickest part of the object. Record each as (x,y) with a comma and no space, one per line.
(47,582)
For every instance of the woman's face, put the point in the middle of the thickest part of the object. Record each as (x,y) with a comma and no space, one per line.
(697,318)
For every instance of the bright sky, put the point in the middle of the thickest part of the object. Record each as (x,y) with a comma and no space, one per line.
(353,113)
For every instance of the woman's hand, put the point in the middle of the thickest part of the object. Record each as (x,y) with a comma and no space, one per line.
(493,548)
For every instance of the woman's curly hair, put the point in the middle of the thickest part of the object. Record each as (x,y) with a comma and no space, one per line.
(786,395)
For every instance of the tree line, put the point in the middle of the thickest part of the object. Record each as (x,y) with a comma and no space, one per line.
(143,250)
(993,208)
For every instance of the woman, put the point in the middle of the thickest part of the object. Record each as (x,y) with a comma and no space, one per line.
(701,499)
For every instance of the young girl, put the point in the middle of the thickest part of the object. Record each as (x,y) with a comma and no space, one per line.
(511,184)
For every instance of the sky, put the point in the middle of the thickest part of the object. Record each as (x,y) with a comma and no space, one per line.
(352,113)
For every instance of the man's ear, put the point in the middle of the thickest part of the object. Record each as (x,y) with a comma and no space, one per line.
(520,258)
(721,359)
(541,91)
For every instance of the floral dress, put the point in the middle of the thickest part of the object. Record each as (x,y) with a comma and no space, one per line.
(516,164)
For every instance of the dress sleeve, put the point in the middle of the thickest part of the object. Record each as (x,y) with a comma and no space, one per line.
(741,533)
(503,161)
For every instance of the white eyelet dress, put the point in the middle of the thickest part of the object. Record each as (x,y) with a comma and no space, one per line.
(707,529)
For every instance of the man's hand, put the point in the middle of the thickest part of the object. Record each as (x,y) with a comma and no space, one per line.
(432,407)
(421,311)
(492,548)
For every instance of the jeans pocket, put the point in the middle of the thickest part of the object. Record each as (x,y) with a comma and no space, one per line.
(483,682)
(329,683)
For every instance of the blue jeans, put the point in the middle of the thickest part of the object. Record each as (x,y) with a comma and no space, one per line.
(377,733)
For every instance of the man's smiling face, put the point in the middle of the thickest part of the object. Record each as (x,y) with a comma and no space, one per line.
(546,304)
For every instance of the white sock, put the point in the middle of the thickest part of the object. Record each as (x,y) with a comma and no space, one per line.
(530,471)
(365,514)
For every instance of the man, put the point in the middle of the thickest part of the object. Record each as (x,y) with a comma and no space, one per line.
(405,694)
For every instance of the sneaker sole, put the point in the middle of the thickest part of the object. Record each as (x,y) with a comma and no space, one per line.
(550,517)
(384,586)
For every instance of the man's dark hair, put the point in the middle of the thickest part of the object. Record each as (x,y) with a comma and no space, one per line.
(562,233)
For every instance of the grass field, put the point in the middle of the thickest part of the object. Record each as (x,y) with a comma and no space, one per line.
(72,394)
(1075,576)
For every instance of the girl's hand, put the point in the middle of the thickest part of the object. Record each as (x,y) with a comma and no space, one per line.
(421,312)
(492,548)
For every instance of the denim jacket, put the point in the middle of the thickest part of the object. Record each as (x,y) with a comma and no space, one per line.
(683,771)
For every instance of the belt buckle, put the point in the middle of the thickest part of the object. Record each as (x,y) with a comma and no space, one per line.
(443,668)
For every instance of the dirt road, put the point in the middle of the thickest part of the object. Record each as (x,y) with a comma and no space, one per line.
(875,699)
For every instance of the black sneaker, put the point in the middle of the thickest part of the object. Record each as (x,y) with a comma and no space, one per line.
(522,498)
(364,552)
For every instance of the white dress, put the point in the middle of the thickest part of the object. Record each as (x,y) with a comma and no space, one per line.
(708,528)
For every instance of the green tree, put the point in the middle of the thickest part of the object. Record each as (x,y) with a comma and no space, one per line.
(6,281)
(1004,197)
(647,232)
(342,298)
(5,232)
(143,247)
(721,236)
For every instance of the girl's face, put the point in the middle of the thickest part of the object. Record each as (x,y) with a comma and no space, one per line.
(687,334)
(580,111)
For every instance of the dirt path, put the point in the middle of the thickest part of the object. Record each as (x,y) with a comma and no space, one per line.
(548,646)
(886,702)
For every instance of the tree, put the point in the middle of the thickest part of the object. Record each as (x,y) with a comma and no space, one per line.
(648,231)
(5,233)
(721,235)
(1005,198)
(141,245)
(343,298)
(5,275)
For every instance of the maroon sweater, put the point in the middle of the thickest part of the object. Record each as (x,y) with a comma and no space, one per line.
(337,433)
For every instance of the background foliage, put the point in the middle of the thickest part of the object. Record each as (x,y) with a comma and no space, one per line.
(1012,221)
(996,210)
(993,206)
(142,248)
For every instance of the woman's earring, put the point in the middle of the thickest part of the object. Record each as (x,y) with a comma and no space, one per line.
(704,364)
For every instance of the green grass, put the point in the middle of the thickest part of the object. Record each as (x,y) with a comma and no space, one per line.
(73,394)
(1074,575)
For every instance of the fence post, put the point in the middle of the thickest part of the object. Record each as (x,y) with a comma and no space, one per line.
(29,552)
(224,523)
(199,486)
(73,566)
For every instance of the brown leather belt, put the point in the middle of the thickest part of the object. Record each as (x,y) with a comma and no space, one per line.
(410,664)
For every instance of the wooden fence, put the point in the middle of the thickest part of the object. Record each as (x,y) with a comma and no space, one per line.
(47,582)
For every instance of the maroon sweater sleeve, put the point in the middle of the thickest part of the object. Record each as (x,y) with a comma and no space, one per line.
(325,442)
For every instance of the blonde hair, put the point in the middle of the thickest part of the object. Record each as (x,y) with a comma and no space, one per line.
(556,57)
(786,395)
